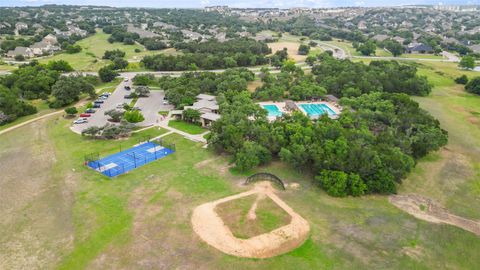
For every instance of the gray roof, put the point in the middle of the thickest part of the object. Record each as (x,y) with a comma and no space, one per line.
(475,48)
(211,116)
(205,96)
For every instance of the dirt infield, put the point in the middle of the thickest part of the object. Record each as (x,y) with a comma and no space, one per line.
(210,227)
(428,210)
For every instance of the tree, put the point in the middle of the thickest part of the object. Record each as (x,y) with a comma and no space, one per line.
(92,131)
(115,115)
(107,74)
(367,48)
(67,89)
(11,107)
(143,79)
(467,62)
(310,60)
(119,63)
(71,49)
(60,65)
(111,55)
(462,79)
(251,155)
(133,116)
(473,86)
(19,57)
(142,91)
(394,47)
(191,115)
(71,111)
(303,49)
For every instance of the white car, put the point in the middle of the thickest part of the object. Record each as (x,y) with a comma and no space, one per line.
(125,80)
(81,121)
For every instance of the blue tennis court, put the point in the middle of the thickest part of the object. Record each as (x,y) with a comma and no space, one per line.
(130,159)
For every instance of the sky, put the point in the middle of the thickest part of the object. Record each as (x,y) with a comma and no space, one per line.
(237,3)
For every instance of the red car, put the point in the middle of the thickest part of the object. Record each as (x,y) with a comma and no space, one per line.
(85,115)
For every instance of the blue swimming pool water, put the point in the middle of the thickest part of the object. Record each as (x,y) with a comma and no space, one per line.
(272,110)
(317,109)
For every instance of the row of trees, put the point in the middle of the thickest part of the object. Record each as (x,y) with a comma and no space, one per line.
(346,78)
(212,54)
(182,91)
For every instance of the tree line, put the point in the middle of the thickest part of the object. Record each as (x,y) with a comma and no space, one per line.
(212,54)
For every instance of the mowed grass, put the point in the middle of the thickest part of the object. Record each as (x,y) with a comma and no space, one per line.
(93,49)
(269,216)
(186,127)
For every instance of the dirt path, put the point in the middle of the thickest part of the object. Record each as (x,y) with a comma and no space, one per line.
(210,227)
(428,210)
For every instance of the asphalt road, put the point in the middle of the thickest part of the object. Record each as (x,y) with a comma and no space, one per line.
(151,106)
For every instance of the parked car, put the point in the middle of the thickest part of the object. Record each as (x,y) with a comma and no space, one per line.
(126,79)
(127,87)
(127,96)
(165,102)
(120,105)
(97,105)
(107,94)
(102,98)
(136,109)
(85,115)
(81,121)
(89,110)
(99,101)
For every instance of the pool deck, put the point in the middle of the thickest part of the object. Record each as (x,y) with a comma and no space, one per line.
(332,106)
(282,107)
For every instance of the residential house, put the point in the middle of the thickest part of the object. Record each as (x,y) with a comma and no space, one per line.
(380,38)
(475,48)
(24,51)
(50,39)
(21,25)
(419,48)
(42,48)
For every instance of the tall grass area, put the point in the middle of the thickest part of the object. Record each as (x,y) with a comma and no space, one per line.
(451,176)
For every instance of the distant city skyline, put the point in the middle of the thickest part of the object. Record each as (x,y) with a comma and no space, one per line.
(242,4)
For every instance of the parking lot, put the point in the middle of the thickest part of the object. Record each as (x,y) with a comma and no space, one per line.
(150,106)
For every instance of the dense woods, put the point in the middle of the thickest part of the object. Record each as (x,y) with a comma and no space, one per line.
(371,147)
(211,55)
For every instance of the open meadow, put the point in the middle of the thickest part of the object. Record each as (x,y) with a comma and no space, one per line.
(93,48)
(61,214)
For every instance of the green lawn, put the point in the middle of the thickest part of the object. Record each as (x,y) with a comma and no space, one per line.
(93,48)
(186,127)
(269,216)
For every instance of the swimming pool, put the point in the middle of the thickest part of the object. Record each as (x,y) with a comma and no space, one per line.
(272,110)
(317,109)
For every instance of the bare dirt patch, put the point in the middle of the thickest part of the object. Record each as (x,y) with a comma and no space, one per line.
(428,210)
(292,49)
(212,229)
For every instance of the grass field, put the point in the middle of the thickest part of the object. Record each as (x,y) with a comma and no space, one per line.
(186,127)
(93,48)
(59,214)
(269,216)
